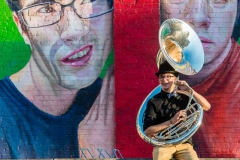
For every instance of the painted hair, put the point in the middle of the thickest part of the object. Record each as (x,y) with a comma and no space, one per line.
(236,29)
(14,5)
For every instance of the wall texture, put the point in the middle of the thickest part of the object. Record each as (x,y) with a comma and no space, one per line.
(57,82)
(136,25)
(69,92)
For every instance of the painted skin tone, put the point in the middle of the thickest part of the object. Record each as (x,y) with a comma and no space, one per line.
(169,85)
(52,66)
(66,57)
(201,16)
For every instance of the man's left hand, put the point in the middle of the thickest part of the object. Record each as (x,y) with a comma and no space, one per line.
(183,85)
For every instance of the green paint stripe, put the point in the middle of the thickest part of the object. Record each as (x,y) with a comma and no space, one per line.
(109,62)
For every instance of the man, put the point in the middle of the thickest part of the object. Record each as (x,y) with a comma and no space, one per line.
(164,110)
(218,81)
(65,82)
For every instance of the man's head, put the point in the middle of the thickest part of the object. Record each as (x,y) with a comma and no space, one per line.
(166,76)
(164,68)
(70,39)
(203,17)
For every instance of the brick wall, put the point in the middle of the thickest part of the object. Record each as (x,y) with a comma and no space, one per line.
(136,25)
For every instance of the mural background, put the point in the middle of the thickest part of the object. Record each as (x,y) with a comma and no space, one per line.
(136,25)
(14,52)
(136,46)
(29,131)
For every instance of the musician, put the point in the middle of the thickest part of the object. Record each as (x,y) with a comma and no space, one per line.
(167,108)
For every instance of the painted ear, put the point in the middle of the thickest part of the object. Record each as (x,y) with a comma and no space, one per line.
(21,28)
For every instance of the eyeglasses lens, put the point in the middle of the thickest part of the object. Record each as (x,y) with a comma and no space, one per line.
(45,14)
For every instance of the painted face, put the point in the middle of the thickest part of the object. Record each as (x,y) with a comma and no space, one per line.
(72,51)
(208,18)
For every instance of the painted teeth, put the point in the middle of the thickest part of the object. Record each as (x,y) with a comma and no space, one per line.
(80,54)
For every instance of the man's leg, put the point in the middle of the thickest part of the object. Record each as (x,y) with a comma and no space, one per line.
(163,153)
(185,152)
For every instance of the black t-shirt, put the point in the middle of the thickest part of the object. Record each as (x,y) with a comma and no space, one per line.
(160,109)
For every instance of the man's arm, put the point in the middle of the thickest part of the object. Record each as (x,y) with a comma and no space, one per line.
(98,127)
(201,100)
(152,130)
(183,85)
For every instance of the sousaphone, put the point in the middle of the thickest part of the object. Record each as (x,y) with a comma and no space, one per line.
(181,47)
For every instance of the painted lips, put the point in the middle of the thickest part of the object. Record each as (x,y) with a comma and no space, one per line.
(205,41)
(78,57)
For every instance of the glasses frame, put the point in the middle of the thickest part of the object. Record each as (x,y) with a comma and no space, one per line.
(168,77)
(20,12)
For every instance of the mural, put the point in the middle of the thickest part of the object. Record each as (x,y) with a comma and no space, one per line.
(57,82)
(217,25)
(218,80)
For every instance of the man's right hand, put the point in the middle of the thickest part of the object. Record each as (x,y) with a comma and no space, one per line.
(179,116)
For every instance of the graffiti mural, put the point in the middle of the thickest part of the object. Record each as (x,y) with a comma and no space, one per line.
(57,82)
(217,25)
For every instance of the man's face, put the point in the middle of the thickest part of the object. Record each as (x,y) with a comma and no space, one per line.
(208,18)
(167,81)
(71,52)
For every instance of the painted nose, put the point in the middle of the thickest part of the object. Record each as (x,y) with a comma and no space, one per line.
(73,28)
(198,15)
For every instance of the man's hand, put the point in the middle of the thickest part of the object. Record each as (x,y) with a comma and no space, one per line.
(183,85)
(97,130)
(179,116)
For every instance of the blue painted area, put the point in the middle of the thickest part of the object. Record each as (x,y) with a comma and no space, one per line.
(27,132)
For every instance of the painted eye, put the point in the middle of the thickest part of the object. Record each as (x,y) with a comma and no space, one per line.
(47,9)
